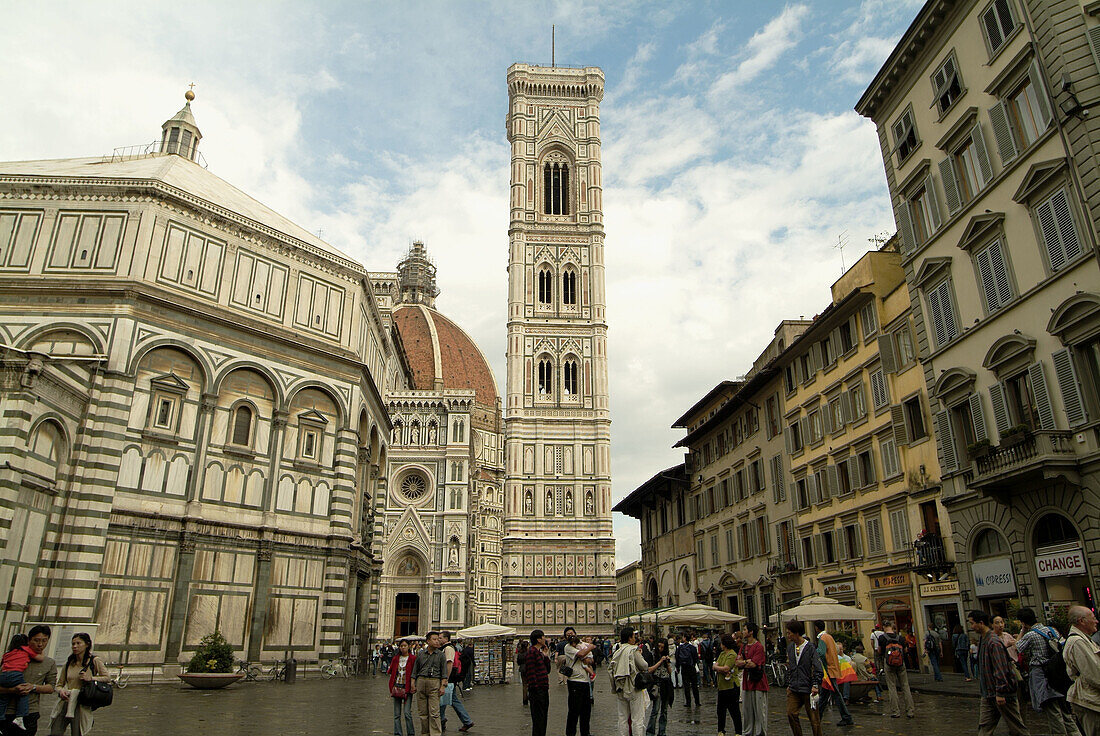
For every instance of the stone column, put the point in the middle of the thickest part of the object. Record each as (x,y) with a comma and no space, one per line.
(202,442)
(177,615)
(275,450)
(343,491)
(261,593)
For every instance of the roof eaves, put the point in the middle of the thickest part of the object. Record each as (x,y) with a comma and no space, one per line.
(682,421)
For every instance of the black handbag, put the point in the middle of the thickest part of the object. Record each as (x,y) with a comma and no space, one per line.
(94,694)
(643,680)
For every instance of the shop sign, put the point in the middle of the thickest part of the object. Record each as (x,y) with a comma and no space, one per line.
(931,590)
(890,581)
(993,577)
(832,590)
(1065,562)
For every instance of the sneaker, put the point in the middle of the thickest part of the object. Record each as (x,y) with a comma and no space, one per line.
(18,723)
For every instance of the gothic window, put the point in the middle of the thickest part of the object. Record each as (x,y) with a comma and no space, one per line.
(242,426)
(546,379)
(569,379)
(458,432)
(546,286)
(569,288)
(556,188)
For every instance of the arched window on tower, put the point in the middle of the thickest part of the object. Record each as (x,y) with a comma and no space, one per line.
(569,379)
(546,286)
(546,379)
(555,178)
(569,288)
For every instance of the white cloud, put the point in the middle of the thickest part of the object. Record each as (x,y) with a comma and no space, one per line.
(765,48)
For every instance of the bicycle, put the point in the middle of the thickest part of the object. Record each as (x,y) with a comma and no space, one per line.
(119,679)
(277,670)
(331,669)
(777,673)
(250,671)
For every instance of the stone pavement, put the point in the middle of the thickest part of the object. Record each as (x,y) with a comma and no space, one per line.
(361,706)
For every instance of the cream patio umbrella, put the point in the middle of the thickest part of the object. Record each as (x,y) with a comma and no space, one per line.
(827,609)
(697,614)
(485,631)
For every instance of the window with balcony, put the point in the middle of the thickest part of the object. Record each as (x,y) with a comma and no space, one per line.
(1020,400)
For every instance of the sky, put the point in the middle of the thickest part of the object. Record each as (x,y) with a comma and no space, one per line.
(733,161)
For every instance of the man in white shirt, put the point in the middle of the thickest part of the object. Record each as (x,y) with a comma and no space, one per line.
(1082,657)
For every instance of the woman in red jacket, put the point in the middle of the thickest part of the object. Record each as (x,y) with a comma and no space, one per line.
(402,688)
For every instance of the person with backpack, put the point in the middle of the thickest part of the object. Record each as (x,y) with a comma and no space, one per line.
(453,675)
(996,681)
(631,696)
(1041,646)
(932,651)
(687,662)
(830,662)
(1082,657)
(707,654)
(892,652)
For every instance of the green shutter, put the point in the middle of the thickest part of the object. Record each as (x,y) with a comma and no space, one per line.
(945,442)
(1002,133)
(950,186)
(977,416)
(897,419)
(1000,408)
(982,153)
(1041,95)
(1042,397)
(1066,374)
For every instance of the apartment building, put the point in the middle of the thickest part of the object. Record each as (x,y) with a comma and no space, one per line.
(628,589)
(738,476)
(990,159)
(668,566)
(863,482)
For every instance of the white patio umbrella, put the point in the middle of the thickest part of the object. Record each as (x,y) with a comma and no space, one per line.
(827,609)
(485,631)
(697,614)
(411,637)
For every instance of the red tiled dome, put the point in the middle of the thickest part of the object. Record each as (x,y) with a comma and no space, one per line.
(438,350)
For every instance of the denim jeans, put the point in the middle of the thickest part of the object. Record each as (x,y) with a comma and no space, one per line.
(456,703)
(403,707)
(658,718)
(22,702)
(934,660)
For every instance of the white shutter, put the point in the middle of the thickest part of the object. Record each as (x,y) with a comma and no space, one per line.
(985,170)
(1042,396)
(1044,111)
(1066,374)
(1002,133)
(886,353)
(945,442)
(1000,407)
(977,416)
(950,186)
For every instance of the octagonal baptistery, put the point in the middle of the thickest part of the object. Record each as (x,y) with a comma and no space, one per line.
(444,510)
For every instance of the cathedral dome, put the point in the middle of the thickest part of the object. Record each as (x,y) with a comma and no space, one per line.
(441,355)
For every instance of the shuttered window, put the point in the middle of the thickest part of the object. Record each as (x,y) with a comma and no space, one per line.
(946,85)
(993,277)
(880,396)
(899,529)
(905,136)
(875,543)
(997,24)
(891,465)
(729,545)
(778,486)
(1060,240)
(941,309)
(1066,374)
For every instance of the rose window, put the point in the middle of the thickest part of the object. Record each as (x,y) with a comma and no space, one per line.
(413,486)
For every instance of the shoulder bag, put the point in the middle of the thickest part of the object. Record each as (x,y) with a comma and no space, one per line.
(95,695)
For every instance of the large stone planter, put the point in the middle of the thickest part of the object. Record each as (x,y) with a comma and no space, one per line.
(210,680)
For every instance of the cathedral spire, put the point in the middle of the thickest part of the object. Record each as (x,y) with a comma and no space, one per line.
(416,277)
(179,133)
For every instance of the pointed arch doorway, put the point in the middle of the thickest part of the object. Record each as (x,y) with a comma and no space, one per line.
(406,617)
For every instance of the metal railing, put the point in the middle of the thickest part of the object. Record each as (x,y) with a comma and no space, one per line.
(781,565)
(930,553)
(129,153)
(1017,453)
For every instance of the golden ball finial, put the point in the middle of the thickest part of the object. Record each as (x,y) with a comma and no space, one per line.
(189,94)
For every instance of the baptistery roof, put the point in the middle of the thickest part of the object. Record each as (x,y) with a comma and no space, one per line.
(441,355)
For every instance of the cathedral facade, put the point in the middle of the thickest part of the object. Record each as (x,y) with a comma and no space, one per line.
(212,419)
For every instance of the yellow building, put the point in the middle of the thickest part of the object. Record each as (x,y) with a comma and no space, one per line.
(628,589)
(863,467)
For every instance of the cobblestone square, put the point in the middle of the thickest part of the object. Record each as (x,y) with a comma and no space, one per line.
(361,706)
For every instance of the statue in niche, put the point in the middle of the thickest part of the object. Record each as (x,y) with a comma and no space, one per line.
(414,439)
(589,505)
(452,558)
(569,503)
(397,433)
(548,507)
(431,434)
(529,503)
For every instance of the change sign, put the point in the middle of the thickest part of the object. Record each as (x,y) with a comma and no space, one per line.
(1066,562)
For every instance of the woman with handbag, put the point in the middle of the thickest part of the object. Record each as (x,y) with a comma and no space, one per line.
(662,697)
(754,685)
(729,684)
(402,688)
(79,689)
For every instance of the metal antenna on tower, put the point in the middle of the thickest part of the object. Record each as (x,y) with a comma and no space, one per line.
(553,45)
(841,241)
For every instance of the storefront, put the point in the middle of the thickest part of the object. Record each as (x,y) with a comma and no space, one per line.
(994,584)
(942,613)
(1063,575)
(892,600)
(844,591)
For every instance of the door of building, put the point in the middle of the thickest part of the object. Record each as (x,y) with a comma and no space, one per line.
(407,615)
(943,619)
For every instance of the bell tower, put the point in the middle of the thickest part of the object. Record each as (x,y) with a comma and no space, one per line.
(559,552)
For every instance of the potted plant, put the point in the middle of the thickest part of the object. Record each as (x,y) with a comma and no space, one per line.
(979,449)
(211,666)
(1016,435)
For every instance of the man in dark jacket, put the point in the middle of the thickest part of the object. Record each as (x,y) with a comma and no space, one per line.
(804,673)
(466,657)
(687,662)
(996,682)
